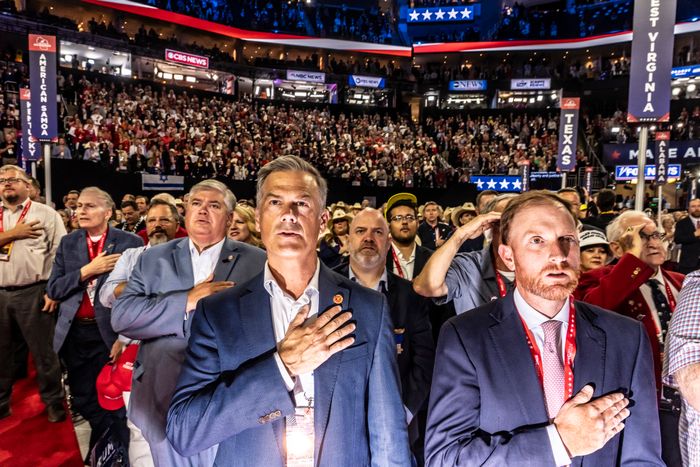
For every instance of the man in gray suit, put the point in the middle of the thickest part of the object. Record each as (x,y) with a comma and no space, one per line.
(155,307)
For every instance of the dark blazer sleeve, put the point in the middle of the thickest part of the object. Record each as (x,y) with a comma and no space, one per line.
(685,233)
(641,444)
(211,405)
(453,436)
(422,354)
(63,283)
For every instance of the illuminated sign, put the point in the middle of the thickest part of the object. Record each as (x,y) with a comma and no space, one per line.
(185,58)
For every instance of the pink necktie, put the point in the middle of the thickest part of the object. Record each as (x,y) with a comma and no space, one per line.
(553,367)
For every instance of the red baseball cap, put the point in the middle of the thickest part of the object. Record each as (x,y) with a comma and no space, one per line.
(124,368)
(109,395)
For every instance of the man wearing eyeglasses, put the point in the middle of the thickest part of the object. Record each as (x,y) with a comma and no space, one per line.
(405,258)
(637,286)
(29,236)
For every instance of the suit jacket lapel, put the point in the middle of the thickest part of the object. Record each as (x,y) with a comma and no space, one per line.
(589,363)
(326,375)
(81,247)
(109,247)
(256,319)
(510,343)
(227,259)
(182,262)
(672,279)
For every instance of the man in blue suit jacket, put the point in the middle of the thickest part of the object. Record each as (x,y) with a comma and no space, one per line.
(279,346)
(84,338)
(155,308)
(490,406)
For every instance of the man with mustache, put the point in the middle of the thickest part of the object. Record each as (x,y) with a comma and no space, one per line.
(637,286)
(368,245)
(536,378)
(158,303)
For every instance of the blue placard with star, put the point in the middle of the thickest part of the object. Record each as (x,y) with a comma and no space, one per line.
(502,183)
(444,14)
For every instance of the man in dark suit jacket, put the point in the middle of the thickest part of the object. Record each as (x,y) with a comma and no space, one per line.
(275,371)
(368,244)
(161,294)
(535,378)
(688,236)
(84,338)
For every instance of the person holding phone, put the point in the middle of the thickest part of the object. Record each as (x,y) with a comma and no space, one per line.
(84,337)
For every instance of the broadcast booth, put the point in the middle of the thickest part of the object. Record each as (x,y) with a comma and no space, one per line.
(184,69)
(684,82)
(529,93)
(466,94)
(87,57)
(368,91)
(305,86)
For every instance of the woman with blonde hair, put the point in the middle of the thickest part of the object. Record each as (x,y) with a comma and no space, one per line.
(242,228)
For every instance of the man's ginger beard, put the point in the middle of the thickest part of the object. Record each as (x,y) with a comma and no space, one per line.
(555,292)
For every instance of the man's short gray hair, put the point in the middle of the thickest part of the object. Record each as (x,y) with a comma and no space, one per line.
(614,230)
(215,185)
(292,164)
(491,205)
(100,193)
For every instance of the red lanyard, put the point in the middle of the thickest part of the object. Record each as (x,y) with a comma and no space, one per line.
(397,263)
(669,295)
(21,216)
(569,351)
(91,244)
(502,290)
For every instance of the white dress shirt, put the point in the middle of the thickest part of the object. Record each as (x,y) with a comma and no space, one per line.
(645,289)
(533,320)
(380,286)
(284,308)
(407,264)
(204,263)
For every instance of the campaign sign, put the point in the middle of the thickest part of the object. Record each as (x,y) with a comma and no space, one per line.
(629,172)
(308,76)
(530,84)
(185,58)
(497,182)
(42,81)
(30,150)
(652,59)
(468,85)
(525,175)
(681,152)
(662,139)
(366,81)
(568,132)
(443,14)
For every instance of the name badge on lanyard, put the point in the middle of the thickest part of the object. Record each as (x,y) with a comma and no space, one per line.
(6,250)
(299,438)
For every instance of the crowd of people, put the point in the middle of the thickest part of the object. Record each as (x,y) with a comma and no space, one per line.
(147,293)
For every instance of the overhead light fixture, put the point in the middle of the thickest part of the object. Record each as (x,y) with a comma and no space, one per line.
(676,91)
(167,76)
(190,79)
(691,87)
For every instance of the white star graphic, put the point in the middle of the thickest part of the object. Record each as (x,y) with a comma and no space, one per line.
(413,16)
(491,185)
(452,14)
(439,15)
(504,184)
(467,13)
(427,15)
(479,184)
(517,185)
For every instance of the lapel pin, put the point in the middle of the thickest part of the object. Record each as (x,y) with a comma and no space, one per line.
(337,299)
(229,259)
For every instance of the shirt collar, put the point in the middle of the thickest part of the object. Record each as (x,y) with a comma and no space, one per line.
(410,258)
(273,287)
(382,285)
(659,276)
(215,249)
(533,318)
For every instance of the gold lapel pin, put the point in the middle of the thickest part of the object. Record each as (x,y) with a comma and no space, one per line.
(337,299)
